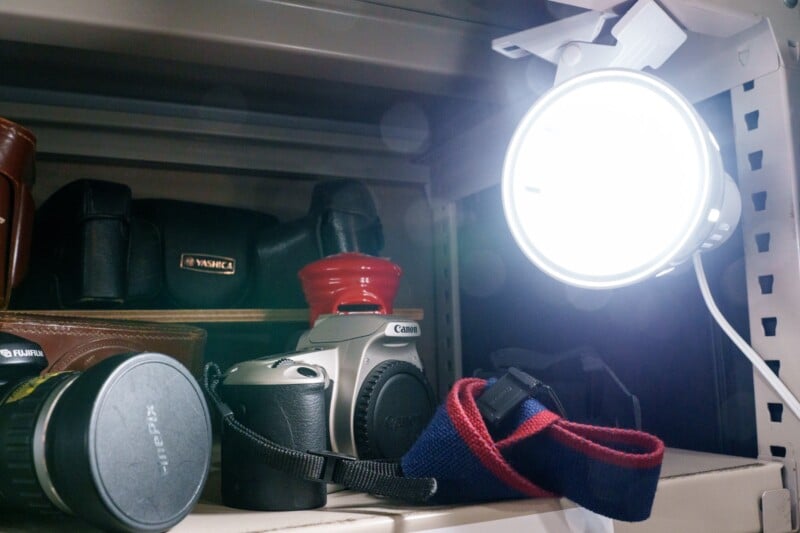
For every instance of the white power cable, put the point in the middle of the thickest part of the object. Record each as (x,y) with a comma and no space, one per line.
(789,399)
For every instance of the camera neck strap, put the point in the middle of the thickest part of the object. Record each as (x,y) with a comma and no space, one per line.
(497,436)
(381,478)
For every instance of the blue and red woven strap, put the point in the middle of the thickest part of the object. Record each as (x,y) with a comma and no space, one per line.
(535,453)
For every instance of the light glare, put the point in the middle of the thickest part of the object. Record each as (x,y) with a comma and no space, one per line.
(606,178)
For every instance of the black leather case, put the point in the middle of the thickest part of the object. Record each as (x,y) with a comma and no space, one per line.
(208,252)
(341,218)
(293,416)
(80,251)
(96,247)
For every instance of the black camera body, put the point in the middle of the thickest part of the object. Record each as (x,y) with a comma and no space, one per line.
(284,402)
(125,445)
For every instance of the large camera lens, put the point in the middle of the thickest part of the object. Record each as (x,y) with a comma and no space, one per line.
(125,445)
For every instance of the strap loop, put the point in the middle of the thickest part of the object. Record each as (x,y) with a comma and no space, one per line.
(330,461)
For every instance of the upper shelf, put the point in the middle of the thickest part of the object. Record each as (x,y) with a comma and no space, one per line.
(331,88)
(69,125)
(200,316)
(425,47)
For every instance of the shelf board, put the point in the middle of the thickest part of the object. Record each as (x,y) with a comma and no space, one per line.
(202,316)
(336,40)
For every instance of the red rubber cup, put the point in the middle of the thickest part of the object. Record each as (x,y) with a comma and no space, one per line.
(350,282)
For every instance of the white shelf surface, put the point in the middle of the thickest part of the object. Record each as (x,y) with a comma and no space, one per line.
(698,492)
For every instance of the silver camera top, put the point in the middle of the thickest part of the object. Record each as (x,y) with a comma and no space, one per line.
(284,371)
(337,328)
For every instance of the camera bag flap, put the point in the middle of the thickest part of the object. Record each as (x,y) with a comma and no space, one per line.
(347,219)
(17,154)
(208,251)
(78,343)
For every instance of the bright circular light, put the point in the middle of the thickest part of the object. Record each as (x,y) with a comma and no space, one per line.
(609,177)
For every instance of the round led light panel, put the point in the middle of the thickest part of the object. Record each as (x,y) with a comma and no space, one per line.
(608,178)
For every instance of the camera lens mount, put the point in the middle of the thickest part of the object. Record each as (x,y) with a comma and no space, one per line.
(394,405)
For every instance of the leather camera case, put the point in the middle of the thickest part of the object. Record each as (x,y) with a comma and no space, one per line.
(342,217)
(96,247)
(78,343)
(83,238)
(17,156)
(208,252)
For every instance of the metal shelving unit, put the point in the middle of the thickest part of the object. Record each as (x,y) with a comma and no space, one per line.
(428,49)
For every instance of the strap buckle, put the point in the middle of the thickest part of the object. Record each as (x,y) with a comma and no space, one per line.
(330,461)
(508,392)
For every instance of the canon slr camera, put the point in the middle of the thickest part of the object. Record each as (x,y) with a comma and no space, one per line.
(355,381)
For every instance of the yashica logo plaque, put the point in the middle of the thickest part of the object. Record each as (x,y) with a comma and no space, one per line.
(208,264)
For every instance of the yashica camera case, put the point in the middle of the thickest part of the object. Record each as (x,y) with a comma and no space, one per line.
(208,252)
(95,246)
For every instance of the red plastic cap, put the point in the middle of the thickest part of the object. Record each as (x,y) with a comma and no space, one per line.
(350,282)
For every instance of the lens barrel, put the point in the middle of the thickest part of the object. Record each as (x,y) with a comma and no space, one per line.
(20,487)
(125,445)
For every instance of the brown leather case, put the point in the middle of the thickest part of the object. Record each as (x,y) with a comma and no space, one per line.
(78,343)
(17,153)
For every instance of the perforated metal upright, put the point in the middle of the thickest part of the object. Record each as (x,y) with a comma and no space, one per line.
(752,49)
(766,133)
(760,67)
(448,316)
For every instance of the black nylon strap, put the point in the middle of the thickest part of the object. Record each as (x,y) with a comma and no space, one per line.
(382,478)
